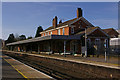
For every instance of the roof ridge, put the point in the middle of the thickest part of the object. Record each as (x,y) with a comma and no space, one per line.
(61,24)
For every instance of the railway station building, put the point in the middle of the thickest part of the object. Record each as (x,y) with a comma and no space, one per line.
(67,37)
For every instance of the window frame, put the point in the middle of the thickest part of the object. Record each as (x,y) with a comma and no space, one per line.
(58,31)
(72,30)
(63,31)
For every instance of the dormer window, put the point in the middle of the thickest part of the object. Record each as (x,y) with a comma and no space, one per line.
(72,30)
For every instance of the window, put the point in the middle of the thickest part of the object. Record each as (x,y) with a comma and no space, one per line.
(48,33)
(51,32)
(72,30)
(58,31)
(63,31)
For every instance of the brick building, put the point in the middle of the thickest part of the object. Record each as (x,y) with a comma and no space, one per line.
(67,37)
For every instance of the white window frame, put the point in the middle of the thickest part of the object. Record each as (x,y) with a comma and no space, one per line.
(48,33)
(63,31)
(51,32)
(58,31)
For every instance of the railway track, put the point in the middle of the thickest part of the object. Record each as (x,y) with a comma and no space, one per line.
(45,69)
(64,69)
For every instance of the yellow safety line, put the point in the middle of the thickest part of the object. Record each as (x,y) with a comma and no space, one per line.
(16,69)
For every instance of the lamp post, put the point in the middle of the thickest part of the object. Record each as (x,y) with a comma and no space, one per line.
(85,43)
(105,49)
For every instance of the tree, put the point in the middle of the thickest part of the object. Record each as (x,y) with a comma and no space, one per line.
(17,37)
(30,37)
(39,29)
(10,39)
(22,37)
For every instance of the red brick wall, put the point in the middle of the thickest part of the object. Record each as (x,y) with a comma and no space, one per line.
(66,31)
(55,32)
(61,31)
(41,34)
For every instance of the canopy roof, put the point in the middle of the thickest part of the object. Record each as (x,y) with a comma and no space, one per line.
(60,37)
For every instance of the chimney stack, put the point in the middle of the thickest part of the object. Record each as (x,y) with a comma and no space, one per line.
(79,12)
(55,22)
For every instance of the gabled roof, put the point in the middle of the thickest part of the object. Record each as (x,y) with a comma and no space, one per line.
(61,24)
(90,30)
(49,37)
(84,20)
(118,31)
(110,29)
(69,22)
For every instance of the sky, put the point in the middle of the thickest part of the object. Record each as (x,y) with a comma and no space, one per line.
(24,17)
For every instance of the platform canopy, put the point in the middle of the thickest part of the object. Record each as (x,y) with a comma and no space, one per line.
(50,37)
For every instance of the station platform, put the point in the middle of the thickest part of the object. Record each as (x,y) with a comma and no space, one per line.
(15,70)
(110,63)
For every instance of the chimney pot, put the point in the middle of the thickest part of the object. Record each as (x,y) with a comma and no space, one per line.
(60,21)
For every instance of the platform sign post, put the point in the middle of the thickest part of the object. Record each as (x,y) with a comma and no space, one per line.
(64,48)
(105,45)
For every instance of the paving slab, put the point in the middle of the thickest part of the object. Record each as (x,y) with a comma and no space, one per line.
(23,70)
